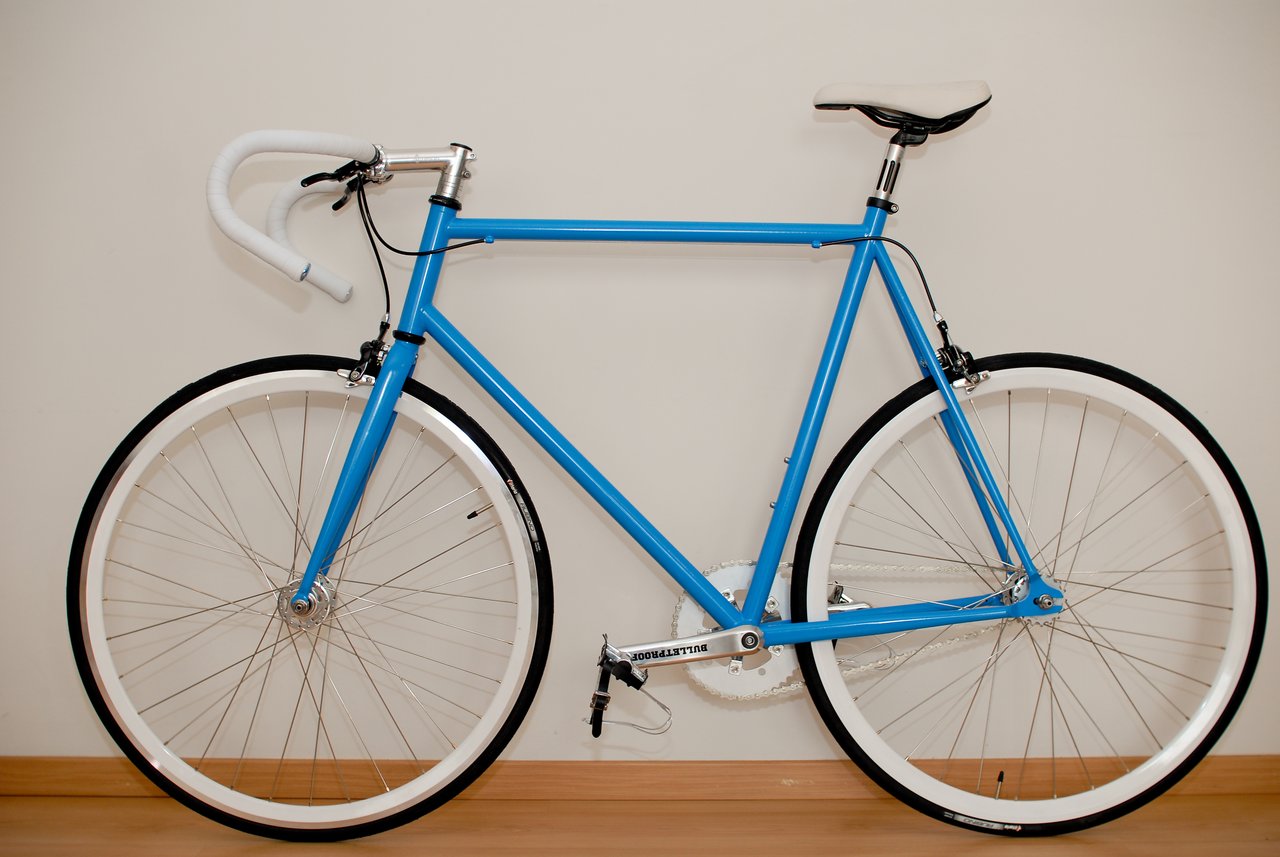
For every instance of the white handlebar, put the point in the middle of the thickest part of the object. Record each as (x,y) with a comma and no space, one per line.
(277,218)
(279,253)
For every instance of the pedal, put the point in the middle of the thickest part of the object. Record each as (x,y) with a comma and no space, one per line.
(615,663)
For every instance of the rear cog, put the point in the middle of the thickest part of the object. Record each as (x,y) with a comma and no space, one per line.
(765,673)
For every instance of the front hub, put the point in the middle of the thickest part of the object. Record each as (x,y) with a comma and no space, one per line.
(309,613)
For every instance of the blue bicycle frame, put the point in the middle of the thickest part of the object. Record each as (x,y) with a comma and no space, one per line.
(420,318)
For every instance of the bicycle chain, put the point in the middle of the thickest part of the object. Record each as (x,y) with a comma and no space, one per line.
(884,663)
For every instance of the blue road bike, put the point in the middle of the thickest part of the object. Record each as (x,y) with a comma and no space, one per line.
(310,598)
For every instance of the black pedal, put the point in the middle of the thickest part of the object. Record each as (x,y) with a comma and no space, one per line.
(613,664)
(599,702)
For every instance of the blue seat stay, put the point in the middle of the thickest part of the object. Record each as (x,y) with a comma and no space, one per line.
(981,479)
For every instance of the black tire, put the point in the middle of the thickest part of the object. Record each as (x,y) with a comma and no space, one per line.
(415,693)
(853,529)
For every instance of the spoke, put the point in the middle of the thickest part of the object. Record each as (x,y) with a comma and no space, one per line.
(275,651)
(389,667)
(986,562)
(879,643)
(321,728)
(866,691)
(304,686)
(942,719)
(231,700)
(986,726)
(407,592)
(387,605)
(1088,638)
(1035,480)
(1085,627)
(1114,586)
(964,530)
(1097,492)
(302,460)
(1085,710)
(205,545)
(237,611)
(284,506)
(384,511)
(315,744)
(281,628)
(171,648)
(1133,571)
(1031,728)
(1119,684)
(364,667)
(245,549)
(939,535)
(1104,491)
(412,653)
(1069,619)
(324,470)
(1047,667)
(433,558)
(977,688)
(350,582)
(931,557)
(244,535)
(1119,511)
(200,681)
(1066,501)
(365,544)
(218,602)
(1012,500)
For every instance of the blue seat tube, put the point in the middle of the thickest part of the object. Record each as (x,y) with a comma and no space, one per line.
(815,412)
(379,414)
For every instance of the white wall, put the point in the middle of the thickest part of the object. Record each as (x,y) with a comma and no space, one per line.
(1117,198)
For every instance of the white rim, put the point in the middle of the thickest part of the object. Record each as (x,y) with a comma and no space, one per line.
(1155,768)
(213,793)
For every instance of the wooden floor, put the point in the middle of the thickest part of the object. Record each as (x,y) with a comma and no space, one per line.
(1175,825)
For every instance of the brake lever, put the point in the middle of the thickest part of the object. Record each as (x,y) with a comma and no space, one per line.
(352,186)
(343,173)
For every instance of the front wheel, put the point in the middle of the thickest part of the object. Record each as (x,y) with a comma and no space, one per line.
(423,644)
(1035,726)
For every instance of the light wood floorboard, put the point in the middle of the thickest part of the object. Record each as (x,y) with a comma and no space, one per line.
(1216,825)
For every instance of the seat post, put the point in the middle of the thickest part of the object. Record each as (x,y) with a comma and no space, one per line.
(881,197)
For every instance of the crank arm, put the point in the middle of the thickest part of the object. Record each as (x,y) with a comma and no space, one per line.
(734,642)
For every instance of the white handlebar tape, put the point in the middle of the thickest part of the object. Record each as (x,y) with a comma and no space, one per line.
(287,260)
(277,218)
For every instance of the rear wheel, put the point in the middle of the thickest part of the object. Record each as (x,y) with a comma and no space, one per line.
(424,643)
(1036,726)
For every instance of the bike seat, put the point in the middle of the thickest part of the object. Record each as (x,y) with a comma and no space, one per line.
(929,109)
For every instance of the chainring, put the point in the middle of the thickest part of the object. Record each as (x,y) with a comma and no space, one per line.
(755,676)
